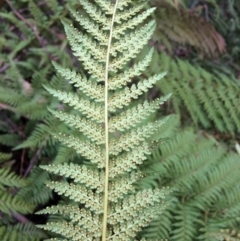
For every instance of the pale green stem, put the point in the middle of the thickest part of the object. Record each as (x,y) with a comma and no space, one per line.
(105,214)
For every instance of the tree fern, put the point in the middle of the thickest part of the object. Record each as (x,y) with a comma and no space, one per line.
(106,204)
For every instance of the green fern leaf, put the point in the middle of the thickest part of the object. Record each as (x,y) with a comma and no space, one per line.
(117,139)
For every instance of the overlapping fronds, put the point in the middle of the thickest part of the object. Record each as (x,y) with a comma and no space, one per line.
(111,208)
(211,100)
(36,191)
(206,180)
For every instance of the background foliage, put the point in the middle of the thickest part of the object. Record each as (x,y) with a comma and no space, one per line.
(197,43)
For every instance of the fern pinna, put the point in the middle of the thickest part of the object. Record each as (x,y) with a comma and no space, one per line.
(107,205)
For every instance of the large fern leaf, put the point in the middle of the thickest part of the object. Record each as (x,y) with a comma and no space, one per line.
(117,140)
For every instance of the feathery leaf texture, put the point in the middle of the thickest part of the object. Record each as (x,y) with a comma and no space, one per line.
(9,181)
(25,231)
(106,204)
(211,99)
(205,176)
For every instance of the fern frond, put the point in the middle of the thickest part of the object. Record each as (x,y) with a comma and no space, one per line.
(92,200)
(91,110)
(26,232)
(212,106)
(88,128)
(80,174)
(8,178)
(123,98)
(36,191)
(95,92)
(103,192)
(76,36)
(95,14)
(134,138)
(37,12)
(125,77)
(91,27)
(129,161)
(87,149)
(206,181)
(132,23)
(10,203)
(130,41)
(132,117)
(186,221)
(129,13)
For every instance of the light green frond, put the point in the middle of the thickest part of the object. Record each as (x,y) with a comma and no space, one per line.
(124,97)
(127,230)
(119,62)
(83,217)
(86,149)
(88,128)
(132,117)
(125,77)
(129,13)
(80,174)
(79,40)
(91,89)
(128,141)
(132,23)
(133,42)
(90,64)
(66,229)
(122,186)
(107,6)
(92,28)
(55,239)
(129,161)
(80,194)
(133,205)
(102,183)
(95,14)
(124,3)
(91,110)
